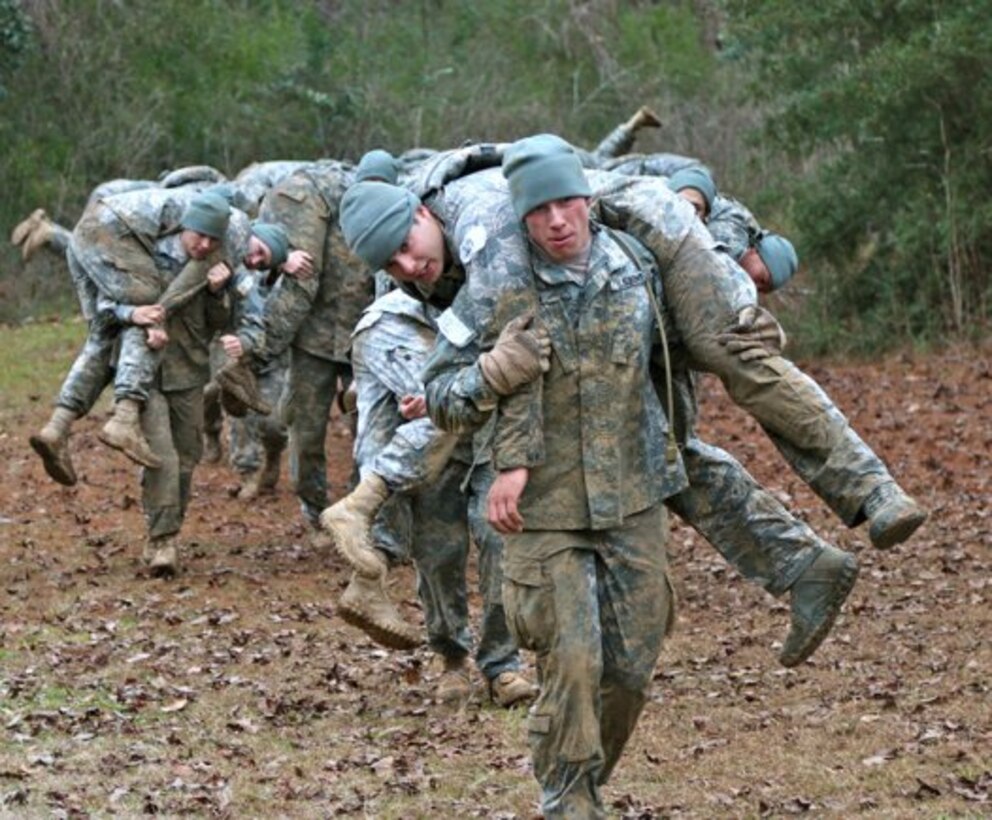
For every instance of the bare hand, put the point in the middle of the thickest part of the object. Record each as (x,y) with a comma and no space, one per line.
(232,346)
(218,276)
(145,315)
(504,496)
(157,338)
(413,407)
(299,265)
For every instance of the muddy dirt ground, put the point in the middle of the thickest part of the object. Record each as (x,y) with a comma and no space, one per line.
(236,691)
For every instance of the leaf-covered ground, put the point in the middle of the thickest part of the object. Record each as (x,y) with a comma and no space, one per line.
(236,691)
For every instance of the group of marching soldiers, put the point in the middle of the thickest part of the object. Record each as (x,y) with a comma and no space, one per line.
(518,327)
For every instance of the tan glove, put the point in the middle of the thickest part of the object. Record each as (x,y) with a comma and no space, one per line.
(521,354)
(755,335)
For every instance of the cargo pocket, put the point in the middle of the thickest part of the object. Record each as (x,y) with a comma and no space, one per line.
(528,598)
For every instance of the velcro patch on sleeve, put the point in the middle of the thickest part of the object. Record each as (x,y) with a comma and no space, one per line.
(454,329)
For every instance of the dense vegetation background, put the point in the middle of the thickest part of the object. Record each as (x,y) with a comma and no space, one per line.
(861,129)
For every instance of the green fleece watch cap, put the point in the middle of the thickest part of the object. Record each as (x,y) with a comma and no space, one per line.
(377,165)
(540,169)
(208,214)
(275,238)
(375,219)
(779,257)
(698,177)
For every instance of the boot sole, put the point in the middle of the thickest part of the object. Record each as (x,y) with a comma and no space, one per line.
(898,532)
(135,457)
(51,462)
(842,589)
(378,633)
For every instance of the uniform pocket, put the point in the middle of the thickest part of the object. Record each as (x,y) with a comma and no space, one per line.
(528,598)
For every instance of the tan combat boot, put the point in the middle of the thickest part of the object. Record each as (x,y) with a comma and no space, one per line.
(454,685)
(816,599)
(349,523)
(366,604)
(24,228)
(237,379)
(162,556)
(123,432)
(644,118)
(510,688)
(52,444)
(893,516)
(40,236)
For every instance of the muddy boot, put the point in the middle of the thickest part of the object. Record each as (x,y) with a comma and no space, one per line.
(892,514)
(366,605)
(644,118)
(817,597)
(162,556)
(212,450)
(52,444)
(510,688)
(454,685)
(349,523)
(42,234)
(237,379)
(24,228)
(123,432)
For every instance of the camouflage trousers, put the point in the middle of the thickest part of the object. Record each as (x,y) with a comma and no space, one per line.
(756,535)
(310,393)
(595,607)
(255,437)
(432,526)
(91,370)
(173,424)
(811,433)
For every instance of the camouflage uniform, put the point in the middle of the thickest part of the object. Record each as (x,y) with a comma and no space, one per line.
(124,252)
(312,317)
(388,349)
(255,438)
(733,226)
(173,417)
(256,180)
(585,584)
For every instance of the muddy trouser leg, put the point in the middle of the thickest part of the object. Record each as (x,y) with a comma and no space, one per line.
(703,292)
(312,385)
(160,489)
(392,529)
(186,419)
(213,414)
(256,436)
(596,616)
(440,553)
(758,536)
(137,365)
(244,445)
(497,651)
(91,371)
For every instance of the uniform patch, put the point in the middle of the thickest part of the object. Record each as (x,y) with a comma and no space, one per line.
(454,329)
(474,241)
(627,280)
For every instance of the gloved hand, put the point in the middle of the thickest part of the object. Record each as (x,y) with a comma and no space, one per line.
(521,354)
(756,334)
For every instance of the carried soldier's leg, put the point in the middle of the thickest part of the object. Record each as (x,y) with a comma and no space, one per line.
(497,656)
(766,544)
(704,293)
(136,368)
(621,139)
(365,603)
(89,375)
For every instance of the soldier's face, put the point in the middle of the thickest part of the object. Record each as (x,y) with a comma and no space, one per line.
(198,245)
(420,258)
(560,227)
(695,198)
(755,267)
(259,257)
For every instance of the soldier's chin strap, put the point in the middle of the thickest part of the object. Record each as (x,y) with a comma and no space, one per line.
(671,445)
